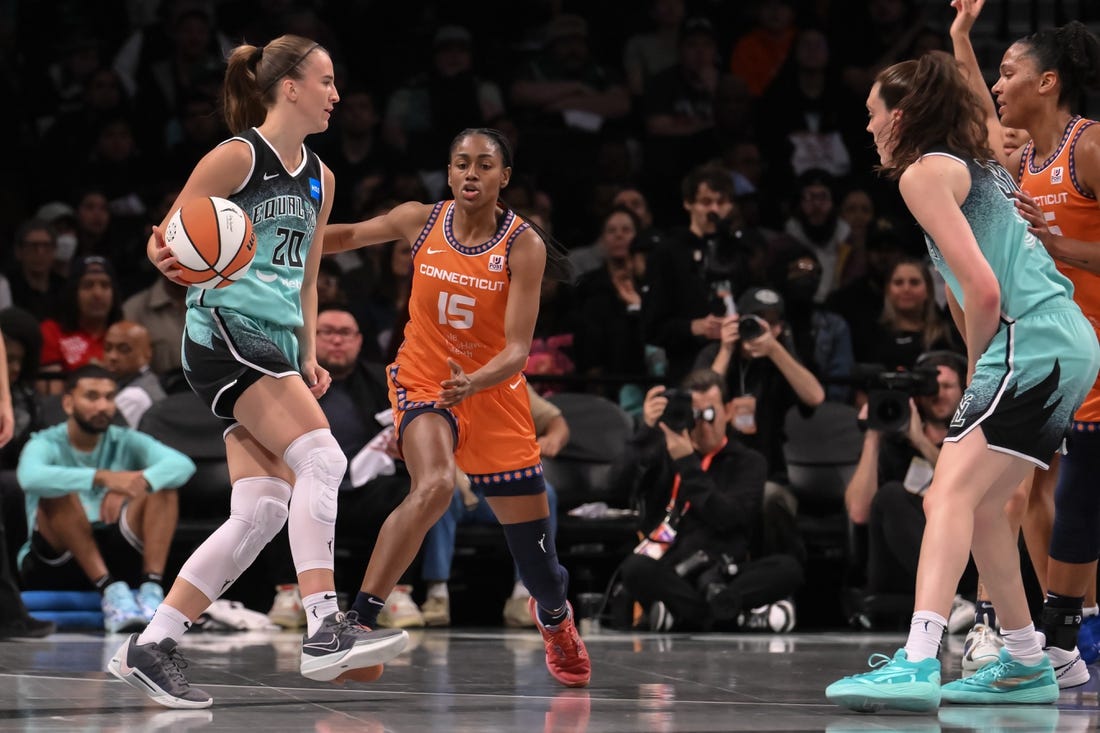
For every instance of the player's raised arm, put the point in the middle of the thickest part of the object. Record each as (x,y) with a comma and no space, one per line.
(966,13)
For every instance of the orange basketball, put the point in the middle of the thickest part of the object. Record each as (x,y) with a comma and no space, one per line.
(213,241)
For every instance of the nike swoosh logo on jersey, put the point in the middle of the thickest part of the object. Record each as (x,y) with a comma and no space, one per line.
(332,645)
(517,383)
(269,176)
(435,251)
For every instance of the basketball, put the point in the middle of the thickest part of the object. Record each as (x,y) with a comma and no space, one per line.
(213,241)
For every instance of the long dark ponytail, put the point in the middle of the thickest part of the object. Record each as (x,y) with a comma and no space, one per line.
(558,266)
(1072,51)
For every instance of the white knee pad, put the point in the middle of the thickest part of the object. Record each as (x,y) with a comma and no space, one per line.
(319,466)
(264,512)
(258,510)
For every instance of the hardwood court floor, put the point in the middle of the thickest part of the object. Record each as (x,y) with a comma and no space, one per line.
(493,680)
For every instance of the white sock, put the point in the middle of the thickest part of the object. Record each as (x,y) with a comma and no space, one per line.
(318,606)
(925,633)
(1023,644)
(519,590)
(1090,611)
(167,623)
(438,589)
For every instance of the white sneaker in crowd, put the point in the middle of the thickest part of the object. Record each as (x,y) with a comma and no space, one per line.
(436,611)
(400,611)
(961,616)
(516,615)
(287,610)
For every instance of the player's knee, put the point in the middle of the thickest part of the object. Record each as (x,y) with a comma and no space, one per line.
(261,504)
(317,461)
(431,496)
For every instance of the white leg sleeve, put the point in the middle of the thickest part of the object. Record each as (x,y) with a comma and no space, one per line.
(318,465)
(258,510)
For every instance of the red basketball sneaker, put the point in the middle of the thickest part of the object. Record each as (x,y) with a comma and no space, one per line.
(566,657)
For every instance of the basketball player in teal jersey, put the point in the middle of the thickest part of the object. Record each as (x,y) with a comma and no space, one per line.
(248,352)
(1032,357)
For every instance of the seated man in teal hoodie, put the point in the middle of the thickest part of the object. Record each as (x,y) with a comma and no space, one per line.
(101,504)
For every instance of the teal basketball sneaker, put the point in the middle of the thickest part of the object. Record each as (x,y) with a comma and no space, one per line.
(894,684)
(1006,681)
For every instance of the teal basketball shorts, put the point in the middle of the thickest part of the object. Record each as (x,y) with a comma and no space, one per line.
(1029,382)
(225,353)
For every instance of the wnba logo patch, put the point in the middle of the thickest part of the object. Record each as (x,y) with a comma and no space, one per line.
(496,263)
(960,414)
(1056,174)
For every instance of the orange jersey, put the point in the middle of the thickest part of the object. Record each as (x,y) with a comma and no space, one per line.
(1073,212)
(456,311)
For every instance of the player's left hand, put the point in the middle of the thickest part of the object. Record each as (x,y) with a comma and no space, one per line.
(1033,215)
(455,389)
(317,378)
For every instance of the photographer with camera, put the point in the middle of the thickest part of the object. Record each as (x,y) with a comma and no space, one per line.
(692,276)
(906,425)
(699,492)
(762,374)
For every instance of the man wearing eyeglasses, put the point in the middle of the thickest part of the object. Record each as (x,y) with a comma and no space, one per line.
(699,493)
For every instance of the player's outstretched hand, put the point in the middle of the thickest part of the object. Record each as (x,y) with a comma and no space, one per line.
(966,13)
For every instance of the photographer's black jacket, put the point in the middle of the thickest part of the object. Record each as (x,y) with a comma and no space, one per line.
(726,499)
(676,293)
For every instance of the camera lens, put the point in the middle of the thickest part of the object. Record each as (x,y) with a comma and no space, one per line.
(750,328)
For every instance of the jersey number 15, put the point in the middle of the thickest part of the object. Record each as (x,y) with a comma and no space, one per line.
(456,310)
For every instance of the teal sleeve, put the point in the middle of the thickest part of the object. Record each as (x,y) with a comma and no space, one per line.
(39,474)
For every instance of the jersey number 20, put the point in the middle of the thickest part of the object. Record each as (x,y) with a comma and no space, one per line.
(288,250)
(456,310)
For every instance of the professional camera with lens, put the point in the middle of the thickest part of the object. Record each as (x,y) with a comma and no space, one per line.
(678,414)
(888,393)
(751,327)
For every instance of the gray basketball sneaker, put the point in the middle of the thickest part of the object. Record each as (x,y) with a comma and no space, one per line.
(157,670)
(341,644)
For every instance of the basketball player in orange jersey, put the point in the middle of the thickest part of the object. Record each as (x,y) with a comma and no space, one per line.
(456,386)
(1042,78)
(249,355)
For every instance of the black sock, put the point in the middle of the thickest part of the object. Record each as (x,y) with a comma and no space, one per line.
(367,605)
(152,578)
(984,614)
(1061,620)
(549,619)
(102,583)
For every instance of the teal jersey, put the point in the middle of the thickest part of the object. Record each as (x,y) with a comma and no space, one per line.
(1027,275)
(283,207)
(50,467)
